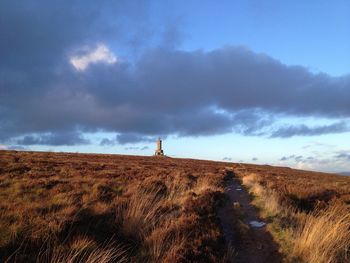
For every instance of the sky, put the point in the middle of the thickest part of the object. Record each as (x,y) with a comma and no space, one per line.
(265,82)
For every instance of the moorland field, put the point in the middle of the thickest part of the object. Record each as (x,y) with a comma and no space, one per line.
(67,207)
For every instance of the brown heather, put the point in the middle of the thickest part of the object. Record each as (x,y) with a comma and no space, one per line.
(61,207)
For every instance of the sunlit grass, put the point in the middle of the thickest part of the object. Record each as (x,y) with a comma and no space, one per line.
(320,235)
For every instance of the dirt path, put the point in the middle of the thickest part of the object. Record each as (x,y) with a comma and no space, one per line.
(252,244)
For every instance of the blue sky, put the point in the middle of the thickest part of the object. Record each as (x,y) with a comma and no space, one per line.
(262,82)
(314,34)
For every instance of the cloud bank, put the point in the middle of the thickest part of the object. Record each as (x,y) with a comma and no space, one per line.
(61,77)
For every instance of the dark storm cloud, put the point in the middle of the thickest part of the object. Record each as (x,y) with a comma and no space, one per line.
(303,130)
(163,91)
(343,156)
(298,158)
(62,138)
(126,138)
(318,144)
(107,142)
(36,37)
(133,138)
(135,148)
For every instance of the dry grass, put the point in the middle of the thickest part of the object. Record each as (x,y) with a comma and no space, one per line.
(109,208)
(85,250)
(149,218)
(268,198)
(303,190)
(314,230)
(141,213)
(324,237)
(164,243)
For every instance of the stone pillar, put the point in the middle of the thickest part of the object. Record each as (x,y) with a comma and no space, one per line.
(159,145)
(159,150)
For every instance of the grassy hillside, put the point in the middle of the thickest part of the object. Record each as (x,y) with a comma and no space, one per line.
(60,207)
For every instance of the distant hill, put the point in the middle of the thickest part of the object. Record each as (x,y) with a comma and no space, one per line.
(345,173)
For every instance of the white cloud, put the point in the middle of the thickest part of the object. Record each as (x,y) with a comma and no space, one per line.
(326,162)
(100,54)
(3,147)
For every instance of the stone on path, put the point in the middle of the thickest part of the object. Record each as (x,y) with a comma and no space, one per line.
(257,224)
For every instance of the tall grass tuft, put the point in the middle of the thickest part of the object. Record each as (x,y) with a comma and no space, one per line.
(164,242)
(325,236)
(141,214)
(84,250)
